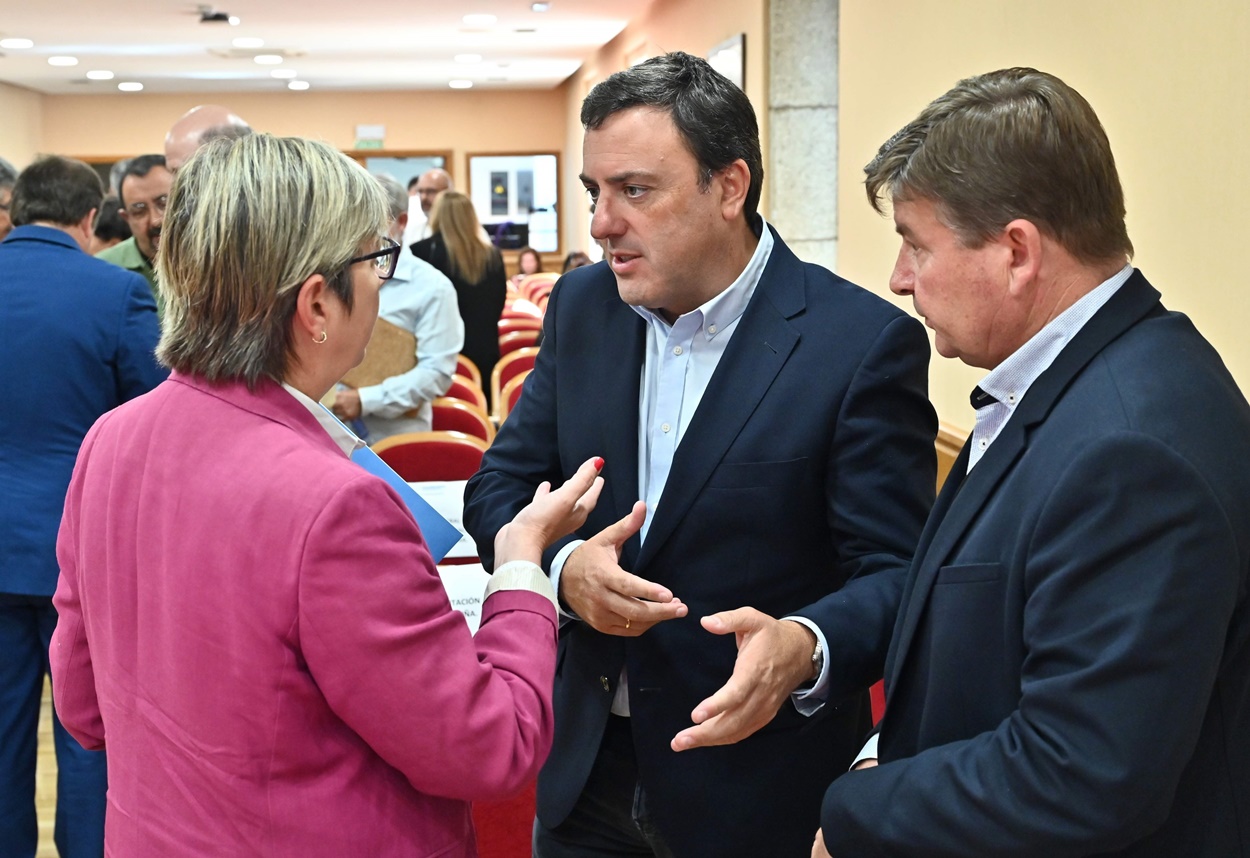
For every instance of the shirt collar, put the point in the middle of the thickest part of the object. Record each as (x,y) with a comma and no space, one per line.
(1010,380)
(724,309)
(405,268)
(339,434)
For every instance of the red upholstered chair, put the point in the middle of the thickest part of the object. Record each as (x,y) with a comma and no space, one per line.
(512,324)
(509,366)
(517,340)
(456,415)
(467,390)
(541,279)
(425,456)
(510,394)
(540,292)
(521,309)
(468,369)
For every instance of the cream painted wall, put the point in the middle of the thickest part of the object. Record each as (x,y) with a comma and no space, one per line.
(693,26)
(21,121)
(1169,83)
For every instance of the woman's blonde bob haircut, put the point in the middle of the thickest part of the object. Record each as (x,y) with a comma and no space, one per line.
(249,220)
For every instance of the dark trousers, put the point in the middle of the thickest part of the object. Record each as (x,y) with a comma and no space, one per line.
(611,817)
(26,624)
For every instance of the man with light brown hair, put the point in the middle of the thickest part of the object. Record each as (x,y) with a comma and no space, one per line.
(1069,672)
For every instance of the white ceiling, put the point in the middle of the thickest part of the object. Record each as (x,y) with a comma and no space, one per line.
(331,44)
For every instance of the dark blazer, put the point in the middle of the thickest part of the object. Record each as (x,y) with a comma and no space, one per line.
(1070,671)
(808,468)
(481,303)
(77,337)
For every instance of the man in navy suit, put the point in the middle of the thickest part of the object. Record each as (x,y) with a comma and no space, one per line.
(1070,670)
(77,336)
(771,421)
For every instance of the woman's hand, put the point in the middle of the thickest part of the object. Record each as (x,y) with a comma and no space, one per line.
(550,516)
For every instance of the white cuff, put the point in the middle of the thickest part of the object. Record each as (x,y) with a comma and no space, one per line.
(521,575)
(809,701)
(557,566)
(869,751)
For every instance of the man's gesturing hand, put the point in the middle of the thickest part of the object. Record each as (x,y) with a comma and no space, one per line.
(774,658)
(600,592)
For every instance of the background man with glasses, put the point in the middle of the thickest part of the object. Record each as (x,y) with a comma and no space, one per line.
(419,299)
(144,192)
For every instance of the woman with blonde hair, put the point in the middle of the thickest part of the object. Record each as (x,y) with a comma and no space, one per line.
(459,248)
(251,623)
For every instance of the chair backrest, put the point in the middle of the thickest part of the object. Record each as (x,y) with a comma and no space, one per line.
(468,369)
(467,390)
(508,367)
(456,415)
(511,394)
(541,278)
(521,309)
(517,340)
(511,324)
(423,456)
(540,292)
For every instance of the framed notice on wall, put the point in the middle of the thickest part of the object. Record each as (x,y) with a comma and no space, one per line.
(730,59)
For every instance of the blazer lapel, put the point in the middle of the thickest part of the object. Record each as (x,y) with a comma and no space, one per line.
(959,504)
(759,349)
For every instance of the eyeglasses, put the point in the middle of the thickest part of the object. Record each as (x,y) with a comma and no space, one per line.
(138,210)
(384,260)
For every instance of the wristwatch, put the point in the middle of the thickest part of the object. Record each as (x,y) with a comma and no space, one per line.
(818,660)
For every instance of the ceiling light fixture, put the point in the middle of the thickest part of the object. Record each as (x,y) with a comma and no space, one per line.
(460,84)
(268,59)
(248,42)
(99,74)
(62,61)
(540,7)
(298,85)
(284,74)
(130,86)
(16,44)
(479,20)
(468,58)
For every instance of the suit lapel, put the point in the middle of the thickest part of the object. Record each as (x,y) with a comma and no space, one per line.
(959,505)
(759,349)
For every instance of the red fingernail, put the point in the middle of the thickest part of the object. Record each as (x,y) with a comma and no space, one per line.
(598,463)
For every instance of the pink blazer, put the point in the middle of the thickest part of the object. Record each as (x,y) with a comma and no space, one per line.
(253,627)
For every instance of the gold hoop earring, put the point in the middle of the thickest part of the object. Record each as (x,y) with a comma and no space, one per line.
(324,336)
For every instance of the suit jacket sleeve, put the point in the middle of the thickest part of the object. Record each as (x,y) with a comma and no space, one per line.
(523,456)
(1131,576)
(137,335)
(460,716)
(882,475)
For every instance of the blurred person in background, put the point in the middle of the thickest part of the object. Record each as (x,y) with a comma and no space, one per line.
(144,194)
(249,621)
(459,248)
(8,176)
(528,262)
(77,336)
(110,228)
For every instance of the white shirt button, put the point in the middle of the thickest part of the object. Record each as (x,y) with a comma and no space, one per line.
(664,427)
(711,329)
(677,350)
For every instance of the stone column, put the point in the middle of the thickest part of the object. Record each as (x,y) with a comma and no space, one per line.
(802,168)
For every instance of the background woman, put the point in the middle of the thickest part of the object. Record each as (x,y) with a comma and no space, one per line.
(252,622)
(528,262)
(459,248)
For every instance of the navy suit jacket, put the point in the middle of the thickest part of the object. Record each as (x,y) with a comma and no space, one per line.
(77,336)
(807,470)
(1070,671)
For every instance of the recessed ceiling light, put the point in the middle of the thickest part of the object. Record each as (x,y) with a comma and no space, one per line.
(479,20)
(62,61)
(16,44)
(99,74)
(268,59)
(460,84)
(235,20)
(540,7)
(130,86)
(298,85)
(248,42)
(284,74)
(468,58)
